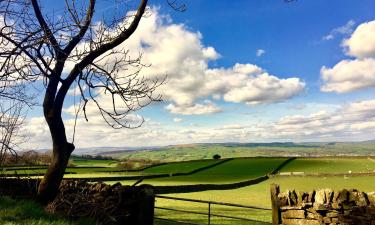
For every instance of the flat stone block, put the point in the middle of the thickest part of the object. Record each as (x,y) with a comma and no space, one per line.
(301,222)
(291,214)
(332,214)
(314,216)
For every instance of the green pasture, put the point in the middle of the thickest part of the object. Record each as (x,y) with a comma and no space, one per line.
(331,165)
(206,151)
(180,167)
(256,195)
(232,171)
(94,162)
(328,173)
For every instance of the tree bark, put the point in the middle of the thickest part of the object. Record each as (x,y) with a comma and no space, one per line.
(62,149)
(49,185)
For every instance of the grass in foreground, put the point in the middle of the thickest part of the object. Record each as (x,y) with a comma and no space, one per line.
(27,212)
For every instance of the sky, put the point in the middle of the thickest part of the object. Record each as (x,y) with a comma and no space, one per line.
(242,71)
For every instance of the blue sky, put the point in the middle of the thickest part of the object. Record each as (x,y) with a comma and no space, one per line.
(273,71)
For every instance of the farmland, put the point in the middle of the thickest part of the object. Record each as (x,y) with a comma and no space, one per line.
(229,150)
(320,172)
(231,171)
(331,165)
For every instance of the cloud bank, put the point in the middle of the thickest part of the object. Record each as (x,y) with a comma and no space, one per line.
(352,121)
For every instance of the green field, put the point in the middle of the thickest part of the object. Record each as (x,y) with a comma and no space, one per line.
(325,172)
(229,150)
(259,195)
(180,167)
(80,161)
(228,172)
(331,165)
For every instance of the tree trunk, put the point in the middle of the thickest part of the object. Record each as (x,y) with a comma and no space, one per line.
(62,149)
(49,186)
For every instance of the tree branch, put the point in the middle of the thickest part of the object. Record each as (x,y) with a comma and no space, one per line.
(76,39)
(47,31)
(88,59)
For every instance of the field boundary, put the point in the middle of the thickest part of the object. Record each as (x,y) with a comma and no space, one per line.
(286,162)
(205,187)
(144,177)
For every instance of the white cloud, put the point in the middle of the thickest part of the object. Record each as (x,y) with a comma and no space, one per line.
(353,74)
(361,44)
(349,75)
(353,117)
(260,52)
(339,124)
(195,109)
(177,120)
(345,29)
(265,88)
(174,50)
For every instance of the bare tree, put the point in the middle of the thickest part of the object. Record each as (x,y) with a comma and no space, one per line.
(67,51)
(11,119)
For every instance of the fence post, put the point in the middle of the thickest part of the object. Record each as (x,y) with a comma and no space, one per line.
(209,213)
(275,190)
(146,204)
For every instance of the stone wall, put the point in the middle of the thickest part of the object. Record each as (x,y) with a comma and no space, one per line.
(324,206)
(18,188)
(106,204)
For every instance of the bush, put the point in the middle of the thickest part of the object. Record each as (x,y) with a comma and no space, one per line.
(216,156)
(136,163)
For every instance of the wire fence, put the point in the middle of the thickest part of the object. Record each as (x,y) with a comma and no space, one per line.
(209,213)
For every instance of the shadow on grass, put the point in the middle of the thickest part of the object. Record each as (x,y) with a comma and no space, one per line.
(27,212)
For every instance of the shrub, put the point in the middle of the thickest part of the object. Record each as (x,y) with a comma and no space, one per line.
(216,156)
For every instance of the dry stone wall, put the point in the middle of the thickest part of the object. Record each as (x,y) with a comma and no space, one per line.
(107,204)
(324,206)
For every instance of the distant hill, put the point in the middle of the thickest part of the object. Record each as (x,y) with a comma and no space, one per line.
(234,149)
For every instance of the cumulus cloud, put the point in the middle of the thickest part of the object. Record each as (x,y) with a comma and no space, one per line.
(345,29)
(265,88)
(195,109)
(260,52)
(177,120)
(349,75)
(361,44)
(174,51)
(353,74)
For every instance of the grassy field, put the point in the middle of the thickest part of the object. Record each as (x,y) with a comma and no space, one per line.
(79,161)
(328,172)
(228,172)
(331,165)
(24,212)
(257,195)
(229,150)
(180,167)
